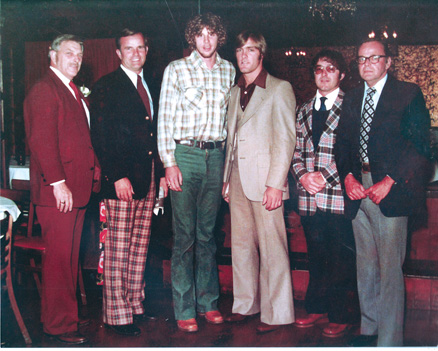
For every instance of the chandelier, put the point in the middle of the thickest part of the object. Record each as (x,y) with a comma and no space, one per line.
(331,8)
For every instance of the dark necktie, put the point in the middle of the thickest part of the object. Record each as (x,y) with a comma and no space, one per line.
(365,124)
(323,108)
(144,95)
(78,97)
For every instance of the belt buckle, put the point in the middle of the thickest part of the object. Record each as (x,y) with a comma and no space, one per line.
(366,168)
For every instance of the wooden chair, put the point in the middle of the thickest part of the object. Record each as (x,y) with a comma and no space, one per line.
(6,272)
(32,246)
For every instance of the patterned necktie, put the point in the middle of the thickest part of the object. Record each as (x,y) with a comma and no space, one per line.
(323,108)
(144,95)
(365,124)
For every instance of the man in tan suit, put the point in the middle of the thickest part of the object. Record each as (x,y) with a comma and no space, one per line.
(260,145)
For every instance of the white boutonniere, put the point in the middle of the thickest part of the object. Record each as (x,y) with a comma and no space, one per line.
(85,91)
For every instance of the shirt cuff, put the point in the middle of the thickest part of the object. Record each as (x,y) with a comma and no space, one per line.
(58,182)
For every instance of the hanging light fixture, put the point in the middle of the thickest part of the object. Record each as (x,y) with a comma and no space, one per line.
(331,8)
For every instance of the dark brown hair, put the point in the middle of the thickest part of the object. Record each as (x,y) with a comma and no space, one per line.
(127,33)
(210,21)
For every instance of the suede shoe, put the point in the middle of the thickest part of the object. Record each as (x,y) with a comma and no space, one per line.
(335,330)
(264,328)
(125,329)
(188,326)
(235,317)
(70,337)
(310,320)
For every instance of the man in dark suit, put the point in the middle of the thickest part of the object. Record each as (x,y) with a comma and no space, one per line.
(63,167)
(382,153)
(123,133)
(329,235)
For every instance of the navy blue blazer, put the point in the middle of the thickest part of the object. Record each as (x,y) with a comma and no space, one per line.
(123,135)
(398,146)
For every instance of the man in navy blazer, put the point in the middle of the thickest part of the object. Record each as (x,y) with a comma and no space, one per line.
(123,133)
(382,153)
(63,172)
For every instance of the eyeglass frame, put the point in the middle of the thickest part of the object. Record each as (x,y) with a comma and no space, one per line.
(326,68)
(369,58)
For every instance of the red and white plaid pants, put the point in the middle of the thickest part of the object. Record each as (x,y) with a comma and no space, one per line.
(126,246)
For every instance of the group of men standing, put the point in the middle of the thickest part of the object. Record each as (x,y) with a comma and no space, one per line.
(358,156)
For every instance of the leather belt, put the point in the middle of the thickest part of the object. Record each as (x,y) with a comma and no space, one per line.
(203,145)
(366,168)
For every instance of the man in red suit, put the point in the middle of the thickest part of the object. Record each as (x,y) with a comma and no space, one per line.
(63,172)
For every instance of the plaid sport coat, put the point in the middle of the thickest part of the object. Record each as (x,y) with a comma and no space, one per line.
(306,159)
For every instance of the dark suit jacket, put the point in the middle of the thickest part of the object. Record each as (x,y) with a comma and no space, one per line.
(123,135)
(58,137)
(398,146)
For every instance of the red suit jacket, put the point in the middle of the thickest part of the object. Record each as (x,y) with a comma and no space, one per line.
(59,140)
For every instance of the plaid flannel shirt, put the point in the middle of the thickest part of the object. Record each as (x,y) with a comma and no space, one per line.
(193,103)
(306,159)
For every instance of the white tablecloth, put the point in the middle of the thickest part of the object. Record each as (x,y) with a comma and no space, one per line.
(18,172)
(7,205)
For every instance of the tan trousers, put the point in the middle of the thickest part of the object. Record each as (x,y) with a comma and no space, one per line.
(261,269)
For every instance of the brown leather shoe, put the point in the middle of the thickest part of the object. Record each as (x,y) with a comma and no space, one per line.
(335,330)
(310,320)
(263,328)
(71,338)
(235,317)
(188,326)
(214,317)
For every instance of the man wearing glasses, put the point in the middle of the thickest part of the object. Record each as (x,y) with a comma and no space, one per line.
(382,153)
(329,235)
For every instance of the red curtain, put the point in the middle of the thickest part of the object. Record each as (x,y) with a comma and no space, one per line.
(99,59)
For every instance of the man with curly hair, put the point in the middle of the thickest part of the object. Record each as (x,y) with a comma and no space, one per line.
(191,134)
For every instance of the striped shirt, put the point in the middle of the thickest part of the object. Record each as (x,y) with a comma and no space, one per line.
(193,103)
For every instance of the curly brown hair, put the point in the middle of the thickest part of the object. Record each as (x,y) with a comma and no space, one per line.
(210,21)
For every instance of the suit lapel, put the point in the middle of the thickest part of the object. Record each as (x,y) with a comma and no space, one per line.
(257,99)
(333,118)
(307,126)
(77,113)
(384,104)
(129,92)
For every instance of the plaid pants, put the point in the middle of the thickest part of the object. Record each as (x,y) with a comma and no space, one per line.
(126,246)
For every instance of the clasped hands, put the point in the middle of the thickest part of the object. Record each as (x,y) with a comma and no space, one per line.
(376,193)
(313,182)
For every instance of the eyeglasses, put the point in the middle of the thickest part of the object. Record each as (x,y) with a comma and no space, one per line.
(373,59)
(328,69)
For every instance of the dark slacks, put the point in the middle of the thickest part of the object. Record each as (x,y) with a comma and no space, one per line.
(62,234)
(332,273)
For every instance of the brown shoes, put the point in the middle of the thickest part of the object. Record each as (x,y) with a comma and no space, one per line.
(310,320)
(335,330)
(188,326)
(214,317)
(263,328)
(70,337)
(235,317)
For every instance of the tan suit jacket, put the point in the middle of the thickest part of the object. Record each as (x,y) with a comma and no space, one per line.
(266,138)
